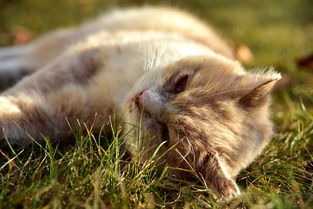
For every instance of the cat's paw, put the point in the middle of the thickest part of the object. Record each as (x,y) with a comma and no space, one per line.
(13,52)
(12,71)
(9,77)
(14,64)
(226,189)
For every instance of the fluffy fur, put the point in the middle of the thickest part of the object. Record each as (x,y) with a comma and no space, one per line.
(162,70)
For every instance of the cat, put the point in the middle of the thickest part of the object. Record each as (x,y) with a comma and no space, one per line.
(160,69)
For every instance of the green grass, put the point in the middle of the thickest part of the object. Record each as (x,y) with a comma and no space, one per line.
(96,172)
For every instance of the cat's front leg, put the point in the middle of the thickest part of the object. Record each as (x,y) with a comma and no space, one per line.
(13,52)
(50,102)
(25,117)
(30,115)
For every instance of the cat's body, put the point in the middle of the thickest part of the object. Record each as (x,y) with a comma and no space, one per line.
(158,68)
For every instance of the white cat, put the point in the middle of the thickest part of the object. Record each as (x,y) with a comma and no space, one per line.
(159,68)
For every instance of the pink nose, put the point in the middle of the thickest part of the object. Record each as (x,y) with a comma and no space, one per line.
(138,99)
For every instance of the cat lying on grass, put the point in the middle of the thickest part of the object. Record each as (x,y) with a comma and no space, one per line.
(161,70)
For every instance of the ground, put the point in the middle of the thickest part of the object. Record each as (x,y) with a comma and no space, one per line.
(94,172)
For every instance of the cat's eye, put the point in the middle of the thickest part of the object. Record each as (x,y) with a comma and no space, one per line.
(181,84)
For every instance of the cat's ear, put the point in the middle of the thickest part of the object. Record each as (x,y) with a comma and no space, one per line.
(258,85)
(217,177)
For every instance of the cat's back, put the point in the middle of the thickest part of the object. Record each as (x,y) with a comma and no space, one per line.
(162,19)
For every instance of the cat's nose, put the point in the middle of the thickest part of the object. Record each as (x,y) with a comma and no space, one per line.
(150,101)
(138,99)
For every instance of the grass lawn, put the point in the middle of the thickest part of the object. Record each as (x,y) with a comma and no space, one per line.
(94,172)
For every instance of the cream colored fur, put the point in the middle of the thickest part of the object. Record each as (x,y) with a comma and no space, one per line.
(128,62)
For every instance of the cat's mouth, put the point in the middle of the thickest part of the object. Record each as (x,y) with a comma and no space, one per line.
(160,126)
(164,133)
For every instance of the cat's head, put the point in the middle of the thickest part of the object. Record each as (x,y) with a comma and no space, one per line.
(210,115)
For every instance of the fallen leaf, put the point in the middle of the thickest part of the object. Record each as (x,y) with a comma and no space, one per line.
(243,53)
(283,83)
(21,35)
(306,62)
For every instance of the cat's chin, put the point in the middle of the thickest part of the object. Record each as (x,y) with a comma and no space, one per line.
(154,140)
(155,128)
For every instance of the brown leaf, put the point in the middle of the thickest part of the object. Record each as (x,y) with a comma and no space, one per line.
(87,5)
(21,35)
(243,53)
(306,62)
(283,83)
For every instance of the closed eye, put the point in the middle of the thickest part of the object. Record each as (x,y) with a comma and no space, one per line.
(181,84)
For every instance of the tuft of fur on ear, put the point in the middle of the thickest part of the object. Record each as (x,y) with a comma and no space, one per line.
(217,178)
(260,84)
